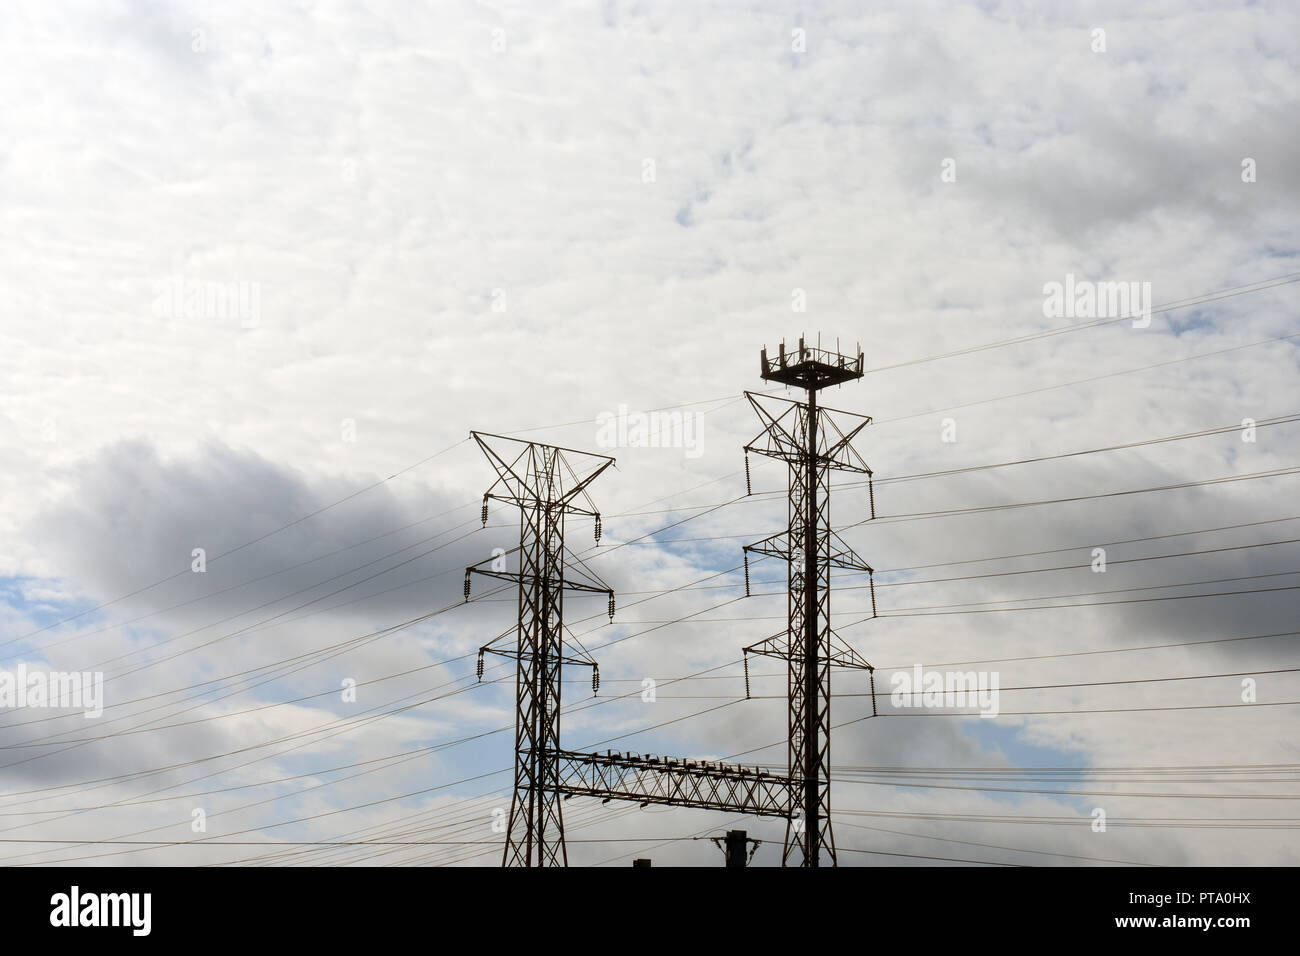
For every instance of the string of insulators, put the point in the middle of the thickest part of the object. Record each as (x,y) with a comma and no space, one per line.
(479,668)
(485,501)
(595,680)
(871,576)
(872,672)
(871,490)
(746,574)
(746,677)
(749,489)
(467,584)
(611,605)
(598,529)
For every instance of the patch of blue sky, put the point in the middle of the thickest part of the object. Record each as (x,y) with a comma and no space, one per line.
(1190,322)
(21,594)
(1006,738)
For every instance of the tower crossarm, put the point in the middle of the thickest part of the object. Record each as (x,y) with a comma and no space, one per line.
(839,653)
(513,654)
(674,781)
(520,480)
(840,556)
(784,425)
(555,582)
(843,556)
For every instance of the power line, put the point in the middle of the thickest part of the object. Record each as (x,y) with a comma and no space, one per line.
(1203,433)
(1090,379)
(918,856)
(1206,823)
(1111,650)
(1204,482)
(995,846)
(1232,292)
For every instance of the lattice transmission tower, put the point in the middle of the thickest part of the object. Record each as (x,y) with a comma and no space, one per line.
(547,484)
(813,442)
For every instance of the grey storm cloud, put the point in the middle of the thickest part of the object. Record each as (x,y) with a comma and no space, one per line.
(132,515)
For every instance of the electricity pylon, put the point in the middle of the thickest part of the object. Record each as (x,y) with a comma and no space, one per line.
(813,442)
(546,483)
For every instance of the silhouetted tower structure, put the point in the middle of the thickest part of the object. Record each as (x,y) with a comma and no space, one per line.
(546,483)
(813,442)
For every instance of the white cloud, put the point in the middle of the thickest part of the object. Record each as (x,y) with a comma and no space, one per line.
(385,177)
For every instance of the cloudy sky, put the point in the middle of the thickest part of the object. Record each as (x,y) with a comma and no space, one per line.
(271,262)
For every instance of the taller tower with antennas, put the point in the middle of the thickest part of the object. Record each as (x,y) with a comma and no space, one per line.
(813,442)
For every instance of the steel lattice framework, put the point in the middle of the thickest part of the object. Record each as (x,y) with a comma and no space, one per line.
(813,442)
(708,785)
(547,483)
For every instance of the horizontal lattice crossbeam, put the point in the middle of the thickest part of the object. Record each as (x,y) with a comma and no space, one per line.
(669,780)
